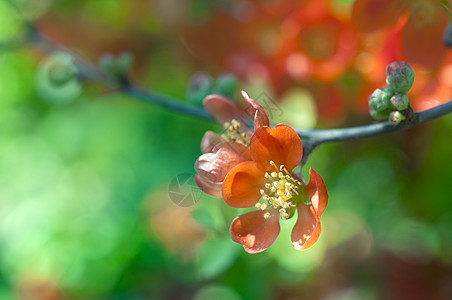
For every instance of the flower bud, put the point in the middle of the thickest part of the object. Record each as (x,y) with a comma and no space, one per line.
(379,115)
(60,74)
(118,65)
(57,79)
(124,62)
(226,85)
(395,117)
(378,100)
(200,85)
(400,101)
(399,76)
(107,62)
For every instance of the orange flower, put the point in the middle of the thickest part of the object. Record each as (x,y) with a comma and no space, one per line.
(421,36)
(222,153)
(274,151)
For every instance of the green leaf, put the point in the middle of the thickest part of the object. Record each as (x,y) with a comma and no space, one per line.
(217,292)
(216,256)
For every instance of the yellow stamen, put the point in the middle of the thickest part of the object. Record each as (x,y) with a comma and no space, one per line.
(280,190)
(235,133)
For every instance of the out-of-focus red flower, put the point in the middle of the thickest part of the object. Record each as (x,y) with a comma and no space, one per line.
(432,88)
(274,152)
(315,44)
(423,26)
(222,152)
(278,43)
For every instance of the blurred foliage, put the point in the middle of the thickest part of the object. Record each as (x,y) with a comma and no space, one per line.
(84,205)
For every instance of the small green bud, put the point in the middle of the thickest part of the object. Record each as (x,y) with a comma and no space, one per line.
(60,74)
(399,76)
(124,62)
(57,79)
(379,115)
(116,65)
(388,90)
(226,85)
(400,101)
(199,87)
(395,117)
(378,100)
(107,62)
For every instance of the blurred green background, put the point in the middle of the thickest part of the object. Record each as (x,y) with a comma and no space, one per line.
(84,205)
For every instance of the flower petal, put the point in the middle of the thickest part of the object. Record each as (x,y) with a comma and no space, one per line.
(422,42)
(316,192)
(242,185)
(236,149)
(254,232)
(215,166)
(208,187)
(280,144)
(223,110)
(370,15)
(256,111)
(210,140)
(307,229)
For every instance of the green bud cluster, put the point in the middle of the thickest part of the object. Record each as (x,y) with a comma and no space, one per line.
(117,65)
(391,102)
(202,84)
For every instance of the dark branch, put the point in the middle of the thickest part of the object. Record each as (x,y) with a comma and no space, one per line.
(164,101)
(312,138)
(359,132)
(92,72)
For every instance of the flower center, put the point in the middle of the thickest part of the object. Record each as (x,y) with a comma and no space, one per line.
(279,191)
(235,133)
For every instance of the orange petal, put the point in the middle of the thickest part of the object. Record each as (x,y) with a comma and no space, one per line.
(254,232)
(256,111)
(210,140)
(242,185)
(208,187)
(370,15)
(280,144)
(422,42)
(307,229)
(215,166)
(316,192)
(223,109)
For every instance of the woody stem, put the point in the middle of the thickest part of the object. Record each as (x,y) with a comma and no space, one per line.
(311,138)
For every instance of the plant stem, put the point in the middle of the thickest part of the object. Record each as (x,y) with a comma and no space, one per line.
(311,138)
(359,132)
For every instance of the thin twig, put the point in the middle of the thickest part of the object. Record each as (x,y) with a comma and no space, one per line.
(164,101)
(311,138)
(92,72)
(359,132)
